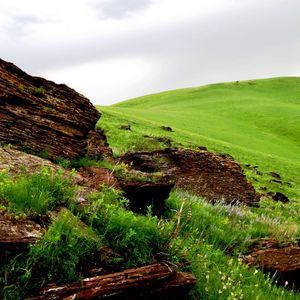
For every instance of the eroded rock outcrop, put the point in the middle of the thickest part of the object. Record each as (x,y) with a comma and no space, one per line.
(141,194)
(15,236)
(41,116)
(16,162)
(210,175)
(281,259)
(147,282)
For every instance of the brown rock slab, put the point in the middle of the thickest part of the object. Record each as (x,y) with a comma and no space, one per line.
(125,127)
(279,258)
(140,194)
(96,176)
(166,128)
(15,236)
(215,177)
(97,146)
(147,282)
(15,162)
(280,197)
(42,116)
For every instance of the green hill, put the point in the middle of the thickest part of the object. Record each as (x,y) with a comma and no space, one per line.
(257,122)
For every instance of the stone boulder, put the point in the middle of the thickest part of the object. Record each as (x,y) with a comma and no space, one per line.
(213,176)
(16,162)
(155,281)
(16,236)
(280,259)
(43,117)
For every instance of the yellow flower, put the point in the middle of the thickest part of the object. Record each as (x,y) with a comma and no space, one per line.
(226,221)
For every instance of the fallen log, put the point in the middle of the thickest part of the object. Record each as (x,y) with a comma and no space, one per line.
(146,282)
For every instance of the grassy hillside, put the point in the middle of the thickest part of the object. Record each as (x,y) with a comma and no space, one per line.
(257,122)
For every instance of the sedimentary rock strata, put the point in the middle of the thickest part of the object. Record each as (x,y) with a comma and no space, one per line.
(41,116)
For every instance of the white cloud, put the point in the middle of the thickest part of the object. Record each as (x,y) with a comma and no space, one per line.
(120,8)
(163,44)
(97,80)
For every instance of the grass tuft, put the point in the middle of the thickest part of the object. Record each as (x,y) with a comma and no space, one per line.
(55,258)
(136,238)
(38,192)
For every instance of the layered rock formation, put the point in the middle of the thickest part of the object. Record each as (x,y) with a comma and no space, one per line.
(16,162)
(280,259)
(41,116)
(148,282)
(210,175)
(15,236)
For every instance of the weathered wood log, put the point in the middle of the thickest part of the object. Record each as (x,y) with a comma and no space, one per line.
(146,281)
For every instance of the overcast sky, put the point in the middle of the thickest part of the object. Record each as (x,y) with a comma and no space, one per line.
(112,50)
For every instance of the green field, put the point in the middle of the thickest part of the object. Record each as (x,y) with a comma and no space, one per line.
(257,122)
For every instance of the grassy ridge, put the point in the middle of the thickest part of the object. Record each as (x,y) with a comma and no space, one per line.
(257,121)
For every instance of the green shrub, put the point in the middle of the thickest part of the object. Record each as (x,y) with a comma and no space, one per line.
(229,227)
(136,238)
(63,162)
(55,258)
(38,91)
(84,162)
(39,192)
(204,235)
(220,276)
(4,181)
(58,253)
